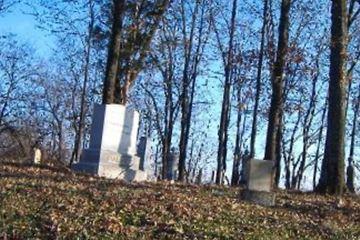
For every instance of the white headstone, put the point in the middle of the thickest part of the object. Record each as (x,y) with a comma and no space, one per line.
(114,128)
(37,156)
(112,149)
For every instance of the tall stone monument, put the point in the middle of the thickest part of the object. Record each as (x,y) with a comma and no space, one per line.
(259,176)
(112,152)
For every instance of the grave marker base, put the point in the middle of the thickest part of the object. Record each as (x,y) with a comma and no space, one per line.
(258,197)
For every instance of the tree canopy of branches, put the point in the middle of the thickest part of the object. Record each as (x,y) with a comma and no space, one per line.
(210,82)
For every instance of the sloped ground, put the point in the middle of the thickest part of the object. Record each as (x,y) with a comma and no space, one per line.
(51,203)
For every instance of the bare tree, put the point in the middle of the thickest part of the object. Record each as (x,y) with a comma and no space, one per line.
(258,79)
(113,53)
(227,59)
(332,170)
(6,5)
(164,59)
(193,55)
(319,140)
(350,167)
(134,26)
(276,106)
(74,31)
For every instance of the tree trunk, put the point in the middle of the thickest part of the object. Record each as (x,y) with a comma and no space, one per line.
(134,51)
(258,82)
(183,132)
(223,134)
(277,86)
(277,166)
(80,133)
(169,123)
(225,110)
(317,154)
(309,116)
(332,170)
(290,155)
(185,92)
(113,53)
(350,168)
(277,83)
(235,177)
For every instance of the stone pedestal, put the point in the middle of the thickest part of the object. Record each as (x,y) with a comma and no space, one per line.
(258,197)
(112,150)
(259,174)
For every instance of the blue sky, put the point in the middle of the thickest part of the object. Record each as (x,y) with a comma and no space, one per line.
(18,22)
(24,26)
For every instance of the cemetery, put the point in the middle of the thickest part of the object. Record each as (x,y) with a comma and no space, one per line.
(124,119)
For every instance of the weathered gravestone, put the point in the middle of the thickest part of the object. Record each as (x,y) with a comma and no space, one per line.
(112,150)
(173,165)
(37,156)
(259,175)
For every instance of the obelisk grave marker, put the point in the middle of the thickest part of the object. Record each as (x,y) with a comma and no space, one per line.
(112,150)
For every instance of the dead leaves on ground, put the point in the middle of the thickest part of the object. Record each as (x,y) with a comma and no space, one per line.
(49,204)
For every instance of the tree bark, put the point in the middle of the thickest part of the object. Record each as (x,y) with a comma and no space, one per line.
(169,122)
(225,110)
(258,82)
(332,170)
(350,168)
(113,53)
(277,164)
(186,100)
(317,154)
(309,116)
(80,133)
(277,86)
(290,154)
(136,50)
(235,177)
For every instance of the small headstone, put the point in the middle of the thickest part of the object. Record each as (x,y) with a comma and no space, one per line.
(259,174)
(37,156)
(173,165)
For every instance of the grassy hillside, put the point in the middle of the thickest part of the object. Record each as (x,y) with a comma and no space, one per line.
(51,203)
